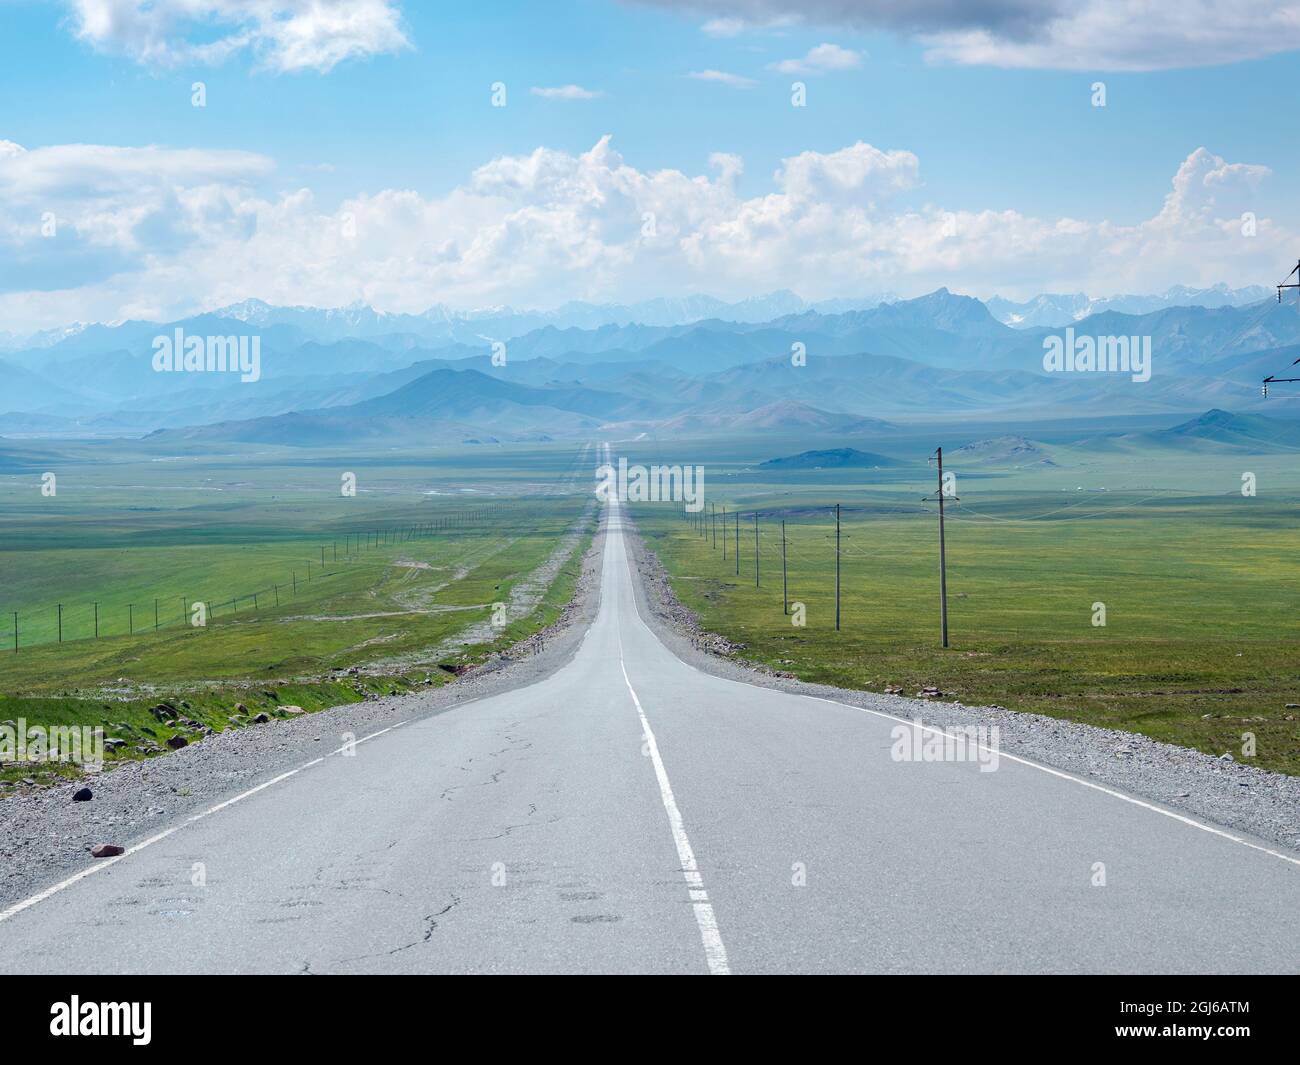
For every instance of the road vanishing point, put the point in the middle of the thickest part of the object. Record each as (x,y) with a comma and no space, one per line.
(632,814)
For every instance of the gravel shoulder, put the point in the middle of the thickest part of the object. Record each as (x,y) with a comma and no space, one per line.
(1233,796)
(45,836)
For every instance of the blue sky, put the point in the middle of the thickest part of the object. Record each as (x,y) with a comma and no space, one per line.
(988,132)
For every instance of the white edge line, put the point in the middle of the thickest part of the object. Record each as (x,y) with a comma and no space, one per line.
(1071,777)
(101,863)
(1211,829)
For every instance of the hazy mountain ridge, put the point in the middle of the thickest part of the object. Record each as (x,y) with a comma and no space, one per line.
(808,370)
(1053,309)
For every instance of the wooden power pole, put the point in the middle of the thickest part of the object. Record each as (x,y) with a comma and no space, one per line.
(943,555)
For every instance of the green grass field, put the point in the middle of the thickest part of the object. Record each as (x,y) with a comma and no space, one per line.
(1200,587)
(399,580)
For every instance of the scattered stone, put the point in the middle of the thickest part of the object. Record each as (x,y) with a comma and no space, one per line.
(893,689)
(240,708)
(262,718)
(83,795)
(177,742)
(106,850)
(1292,706)
(291,709)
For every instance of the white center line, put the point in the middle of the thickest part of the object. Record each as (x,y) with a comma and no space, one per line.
(714,952)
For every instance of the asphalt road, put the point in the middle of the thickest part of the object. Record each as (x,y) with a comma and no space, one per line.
(632,814)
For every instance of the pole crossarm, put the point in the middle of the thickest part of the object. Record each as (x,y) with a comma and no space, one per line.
(1295,272)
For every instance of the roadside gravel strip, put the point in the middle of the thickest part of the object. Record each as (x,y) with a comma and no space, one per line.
(45,837)
(1221,792)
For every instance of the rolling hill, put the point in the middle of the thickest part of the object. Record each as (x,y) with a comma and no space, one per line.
(840,458)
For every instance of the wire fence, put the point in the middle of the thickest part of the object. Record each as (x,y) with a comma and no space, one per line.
(77,621)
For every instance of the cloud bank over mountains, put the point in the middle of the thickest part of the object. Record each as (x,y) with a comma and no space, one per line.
(156,232)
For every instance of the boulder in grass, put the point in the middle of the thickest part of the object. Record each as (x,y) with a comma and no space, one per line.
(293,709)
(262,718)
(177,742)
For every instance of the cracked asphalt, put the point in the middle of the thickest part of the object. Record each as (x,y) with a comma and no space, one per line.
(628,812)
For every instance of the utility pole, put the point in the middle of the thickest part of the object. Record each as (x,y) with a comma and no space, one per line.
(1270,379)
(130,619)
(837,567)
(60,623)
(785,585)
(155,615)
(714,523)
(1295,271)
(737,543)
(15,632)
(755,549)
(724,533)
(97,621)
(943,555)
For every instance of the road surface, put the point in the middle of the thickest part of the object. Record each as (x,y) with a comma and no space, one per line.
(632,814)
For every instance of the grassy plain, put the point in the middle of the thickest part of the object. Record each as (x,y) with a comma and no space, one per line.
(399,580)
(1199,583)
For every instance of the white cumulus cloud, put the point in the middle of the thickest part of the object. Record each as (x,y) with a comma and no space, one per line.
(820,60)
(283,35)
(566,92)
(736,81)
(157,232)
